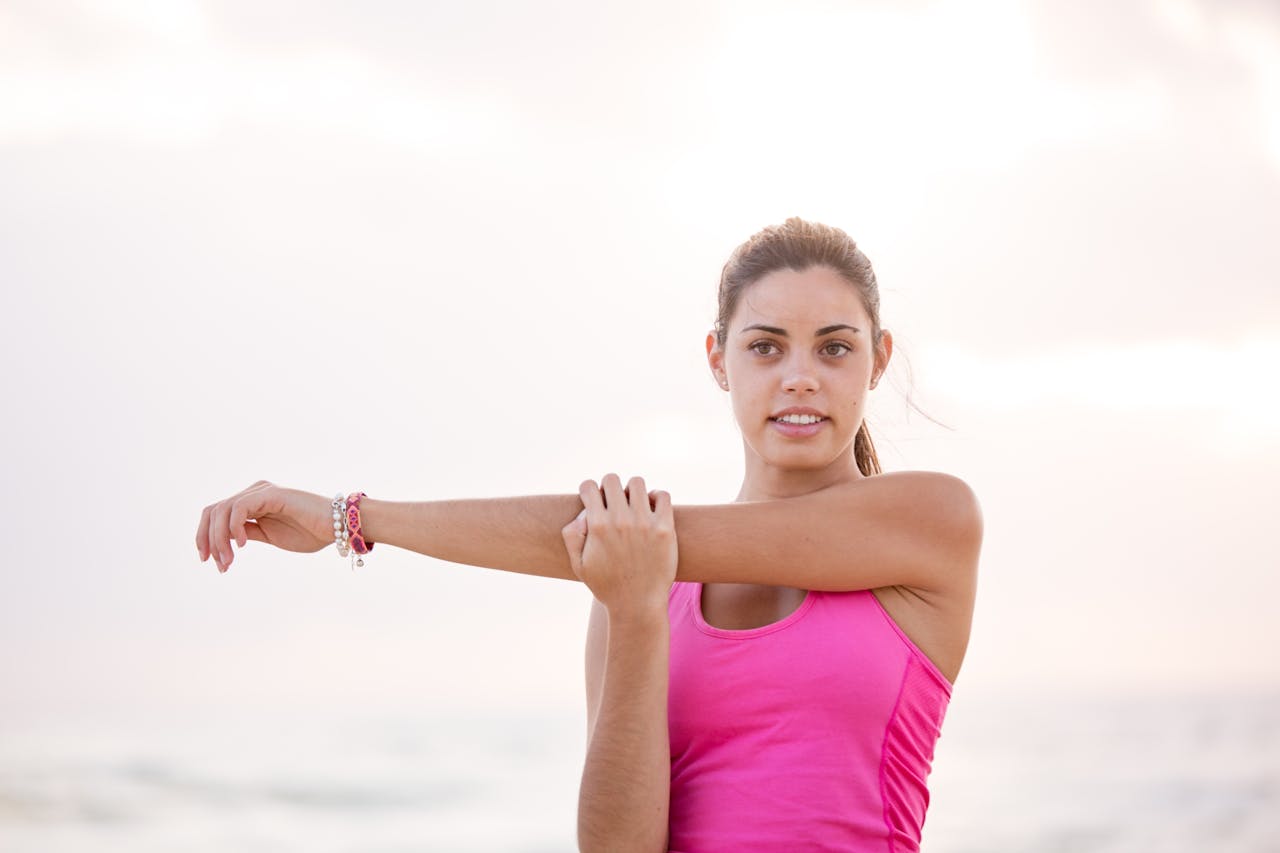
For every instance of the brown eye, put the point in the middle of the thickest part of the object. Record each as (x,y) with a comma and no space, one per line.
(838,344)
(756,346)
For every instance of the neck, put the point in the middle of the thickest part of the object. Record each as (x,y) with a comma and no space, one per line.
(767,482)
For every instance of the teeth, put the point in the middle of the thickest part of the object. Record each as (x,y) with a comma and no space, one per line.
(799,419)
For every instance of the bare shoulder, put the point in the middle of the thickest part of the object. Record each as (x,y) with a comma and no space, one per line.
(943,498)
(944,509)
(936,486)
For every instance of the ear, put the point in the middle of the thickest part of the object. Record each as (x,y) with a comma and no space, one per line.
(715,359)
(884,351)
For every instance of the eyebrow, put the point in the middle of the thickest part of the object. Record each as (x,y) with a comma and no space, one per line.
(825,330)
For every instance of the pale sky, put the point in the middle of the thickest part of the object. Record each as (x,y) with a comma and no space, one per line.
(431,251)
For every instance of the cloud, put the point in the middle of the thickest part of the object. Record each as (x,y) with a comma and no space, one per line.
(1246,33)
(893,100)
(1225,384)
(156,74)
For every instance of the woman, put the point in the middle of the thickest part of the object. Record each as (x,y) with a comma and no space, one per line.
(780,680)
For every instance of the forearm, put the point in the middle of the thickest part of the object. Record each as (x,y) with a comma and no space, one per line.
(514,534)
(626,783)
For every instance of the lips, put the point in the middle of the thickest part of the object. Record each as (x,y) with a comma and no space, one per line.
(798,430)
(797,410)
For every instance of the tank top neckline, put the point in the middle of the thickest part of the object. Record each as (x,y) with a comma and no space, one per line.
(810,598)
(746,633)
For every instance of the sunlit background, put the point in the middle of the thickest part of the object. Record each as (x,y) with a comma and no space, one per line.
(432,250)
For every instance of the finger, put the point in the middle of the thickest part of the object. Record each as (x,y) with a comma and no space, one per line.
(219,532)
(575,541)
(577,532)
(592,501)
(210,545)
(254,532)
(638,497)
(611,485)
(662,506)
(202,535)
(578,526)
(240,512)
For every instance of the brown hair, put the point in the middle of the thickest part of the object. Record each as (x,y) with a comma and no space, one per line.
(798,245)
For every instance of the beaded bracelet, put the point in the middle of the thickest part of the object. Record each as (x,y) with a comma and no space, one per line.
(340,534)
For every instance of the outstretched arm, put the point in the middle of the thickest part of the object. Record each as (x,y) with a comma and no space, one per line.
(917,528)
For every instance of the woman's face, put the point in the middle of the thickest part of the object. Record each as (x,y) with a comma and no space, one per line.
(789,343)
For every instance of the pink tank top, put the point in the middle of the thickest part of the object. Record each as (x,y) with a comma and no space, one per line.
(815,732)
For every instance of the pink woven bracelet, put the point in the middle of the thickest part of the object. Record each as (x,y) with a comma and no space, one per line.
(357,540)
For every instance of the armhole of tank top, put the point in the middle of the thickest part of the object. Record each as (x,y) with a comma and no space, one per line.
(914,650)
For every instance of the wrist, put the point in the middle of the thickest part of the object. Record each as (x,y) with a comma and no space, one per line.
(640,615)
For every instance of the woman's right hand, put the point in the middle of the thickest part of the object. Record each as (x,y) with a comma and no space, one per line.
(287,518)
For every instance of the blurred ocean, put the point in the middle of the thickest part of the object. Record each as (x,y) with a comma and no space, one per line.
(1156,773)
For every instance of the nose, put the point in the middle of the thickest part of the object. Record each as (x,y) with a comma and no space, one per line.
(800,376)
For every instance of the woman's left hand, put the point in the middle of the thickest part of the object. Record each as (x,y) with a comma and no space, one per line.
(623,544)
